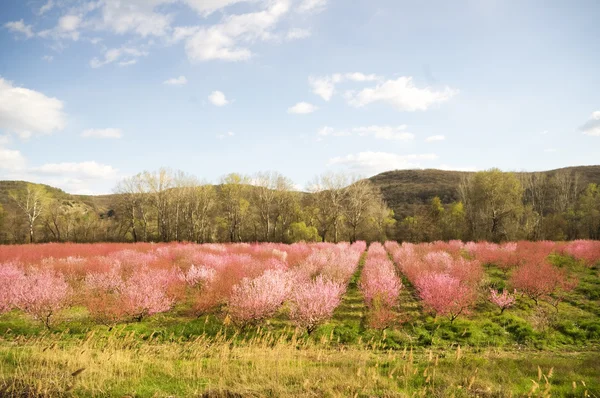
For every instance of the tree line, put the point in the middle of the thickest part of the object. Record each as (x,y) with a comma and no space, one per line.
(166,205)
(500,206)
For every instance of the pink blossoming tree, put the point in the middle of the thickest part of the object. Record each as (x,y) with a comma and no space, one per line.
(254,300)
(41,293)
(503,300)
(314,301)
(445,295)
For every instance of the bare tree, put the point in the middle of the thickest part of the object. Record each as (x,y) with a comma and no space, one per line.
(360,198)
(566,190)
(265,195)
(536,194)
(328,196)
(32,202)
(158,185)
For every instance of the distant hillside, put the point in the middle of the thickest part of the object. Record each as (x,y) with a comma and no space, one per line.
(406,190)
(99,204)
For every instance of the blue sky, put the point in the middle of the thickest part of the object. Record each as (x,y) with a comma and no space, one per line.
(93,91)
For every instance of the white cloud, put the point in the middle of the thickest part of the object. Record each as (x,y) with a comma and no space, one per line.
(114,54)
(302,108)
(592,126)
(228,37)
(296,34)
(451,168)
(128,63)
(402,94)
(69,23)
(48,58)
(176,81)
(11,160)
(20,27)
(550,150)
(218,98)
(361,77)
(102,133)
(226,135)
(324,86)
(134,16)
(393,133)
(371,163)
(26,112)
(312,5)
(82,170)
(207,7)
(435,138)
(65,29)
(46,7)
(228,40)
(330,131)
(74,177)
(183,32)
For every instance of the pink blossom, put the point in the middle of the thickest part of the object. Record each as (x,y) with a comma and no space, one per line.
(379,281)
(10,278)
(253,300)
(541,280)
(109,281)
(42,293)
(314,302)
(585,250)
(445,295)
(504,300)
(199,275)
(145,292)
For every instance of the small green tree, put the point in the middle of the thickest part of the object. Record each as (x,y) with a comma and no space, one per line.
(300,232)
(589,206)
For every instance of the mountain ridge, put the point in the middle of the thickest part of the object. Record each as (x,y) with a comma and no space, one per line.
(403,190)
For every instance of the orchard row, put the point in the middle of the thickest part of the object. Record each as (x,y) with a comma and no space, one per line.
(250,283)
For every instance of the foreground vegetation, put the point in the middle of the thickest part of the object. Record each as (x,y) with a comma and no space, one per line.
(124,363)
(378,332)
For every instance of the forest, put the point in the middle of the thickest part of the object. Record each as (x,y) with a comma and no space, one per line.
(167,205)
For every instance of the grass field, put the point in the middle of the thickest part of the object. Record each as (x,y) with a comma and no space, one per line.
(528,350)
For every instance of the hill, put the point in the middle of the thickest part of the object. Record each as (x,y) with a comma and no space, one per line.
(404,190)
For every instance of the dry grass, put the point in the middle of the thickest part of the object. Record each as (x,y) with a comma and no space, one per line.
(121,363)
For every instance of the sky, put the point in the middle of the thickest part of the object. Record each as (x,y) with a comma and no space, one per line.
(95,91)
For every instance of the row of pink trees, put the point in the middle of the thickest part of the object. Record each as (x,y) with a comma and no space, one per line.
(313,288)
(587,251)
(138,281)
(446,282)
(380,286)
(531,272)
(508,256)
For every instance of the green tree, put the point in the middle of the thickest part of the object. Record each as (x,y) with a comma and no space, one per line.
(589,206)
(300,232)
(454,222)
(493,204)
(234,204)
